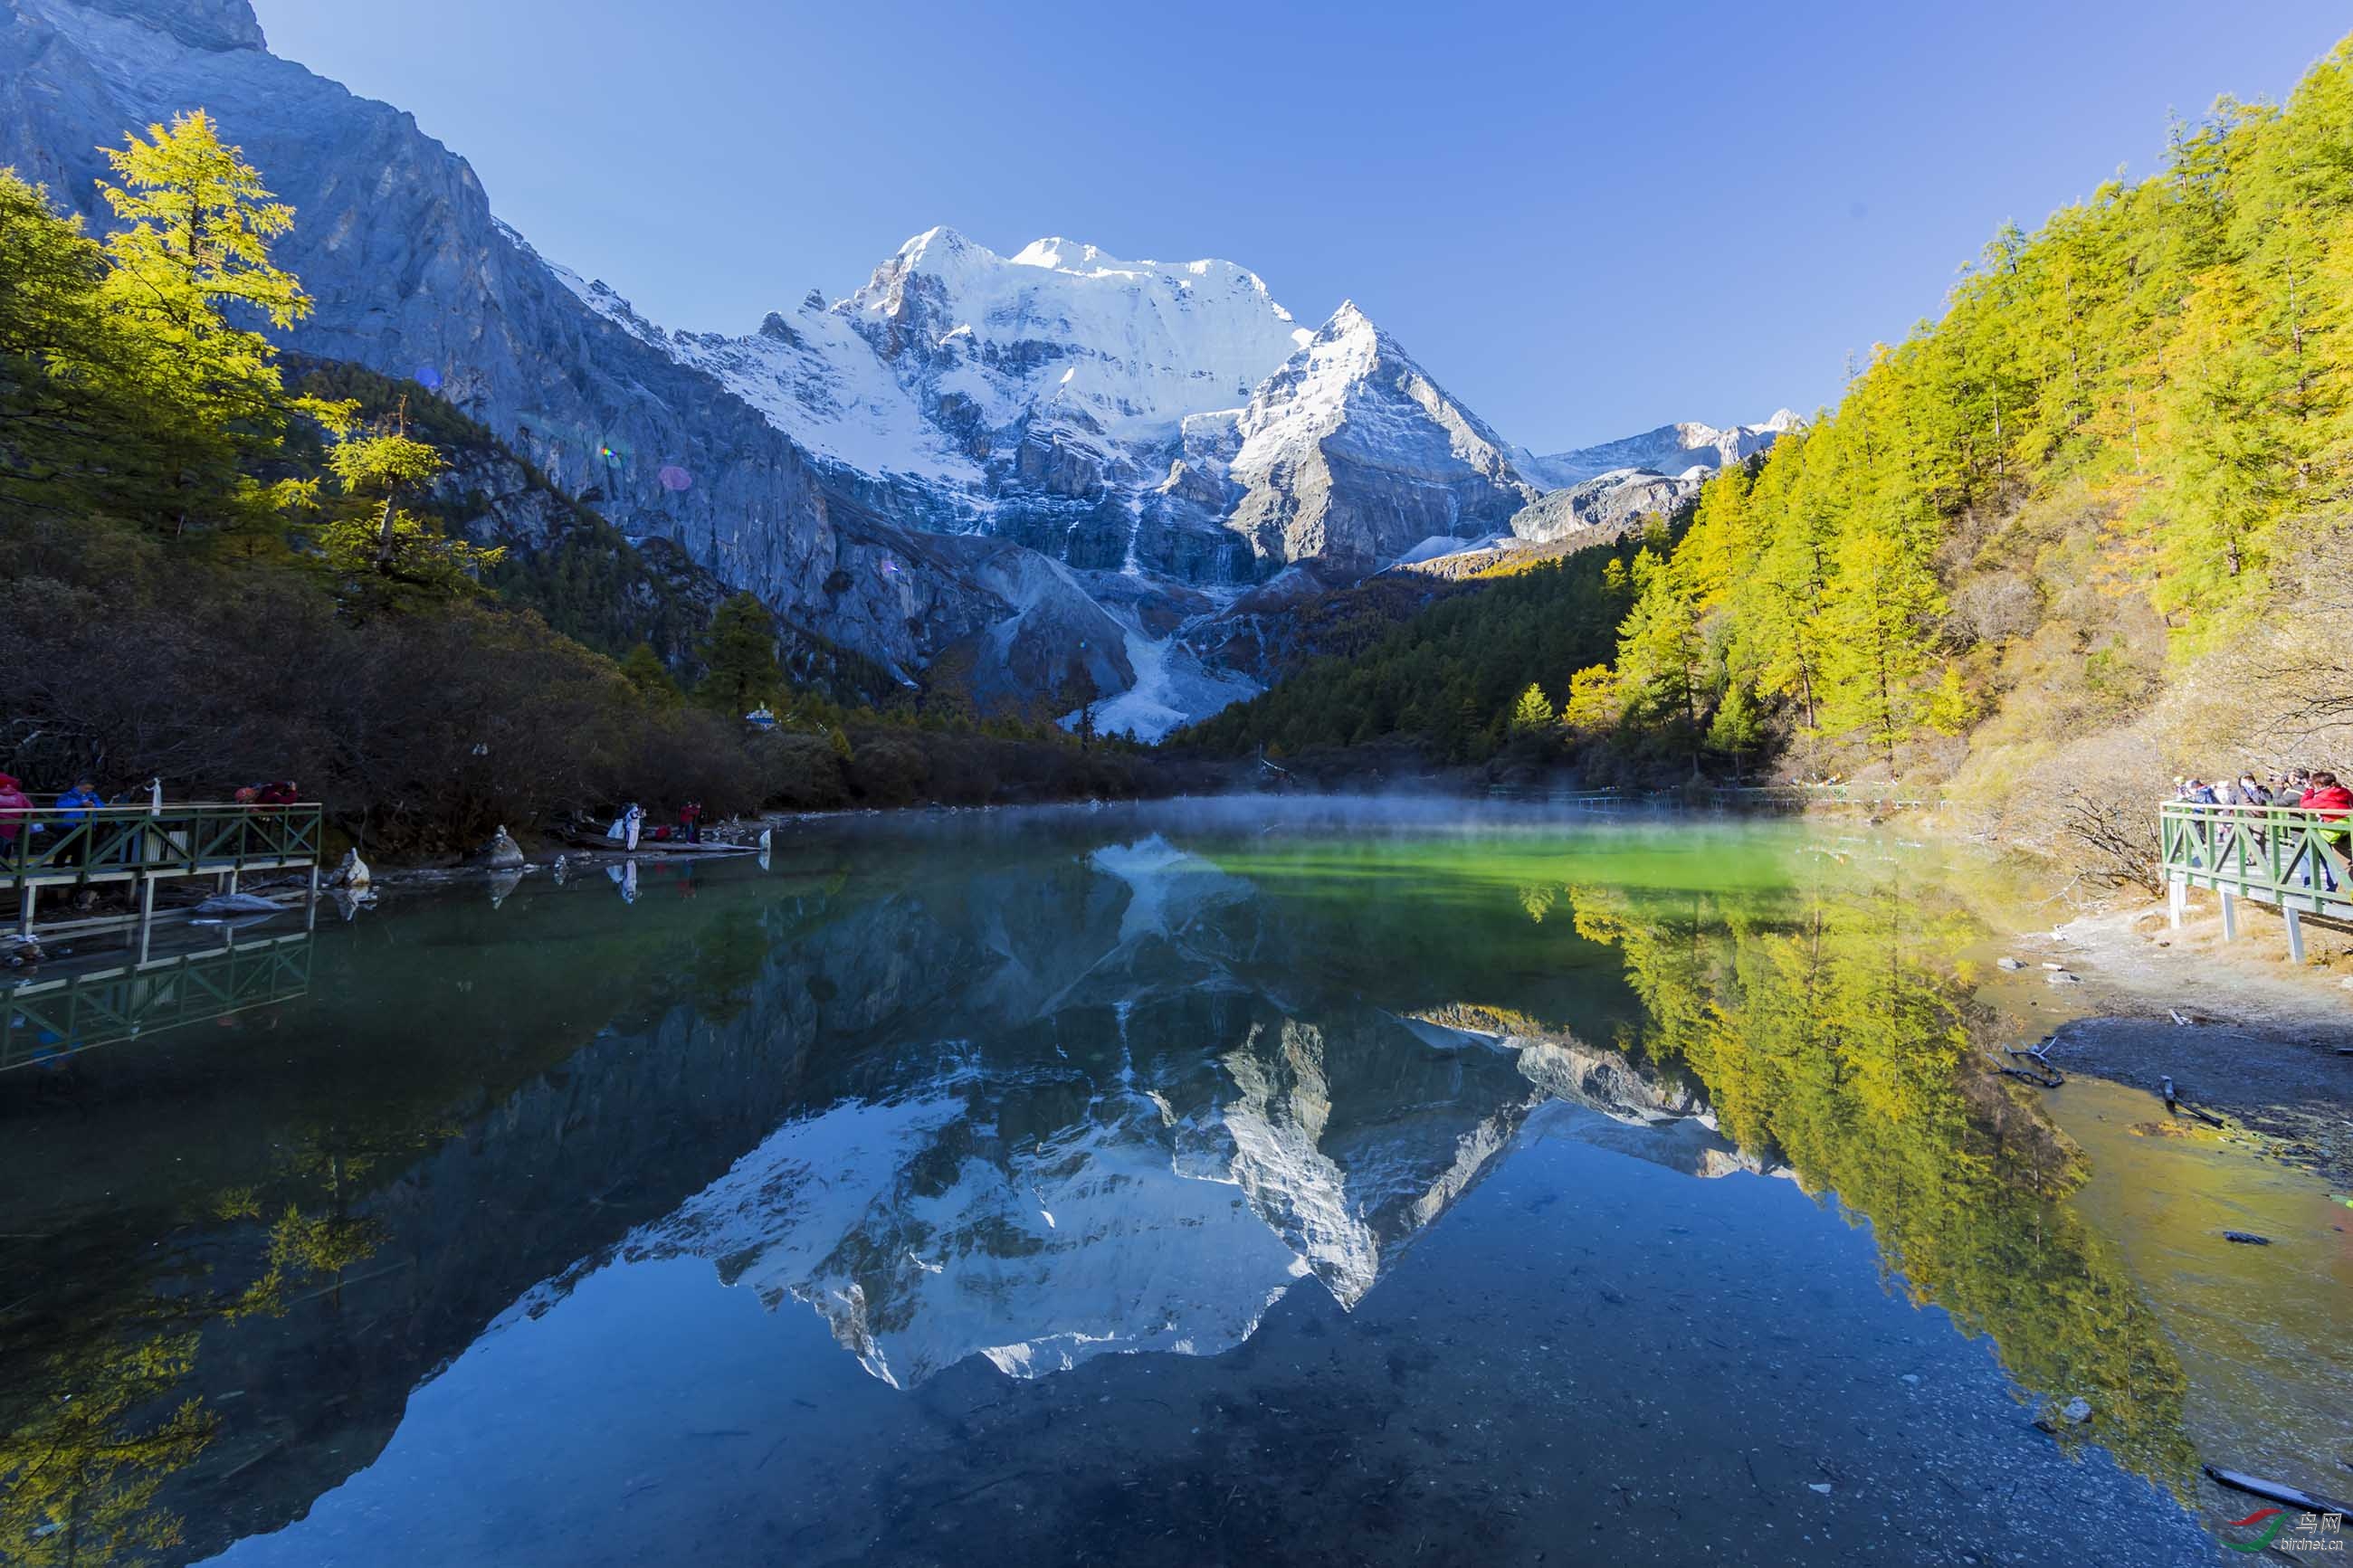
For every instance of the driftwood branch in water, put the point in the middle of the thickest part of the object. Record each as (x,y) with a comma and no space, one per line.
(2175,1104)
(2274,1491)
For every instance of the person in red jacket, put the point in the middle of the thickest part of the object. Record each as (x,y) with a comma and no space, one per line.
(2331,802)
(2325,796)
(15,806)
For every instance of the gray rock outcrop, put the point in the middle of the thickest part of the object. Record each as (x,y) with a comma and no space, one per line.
(1352,454)
(1606,507)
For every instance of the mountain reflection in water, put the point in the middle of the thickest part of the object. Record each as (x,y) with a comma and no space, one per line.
(1029,1089)
(1145,1154)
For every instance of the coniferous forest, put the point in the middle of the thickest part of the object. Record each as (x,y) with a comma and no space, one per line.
(2085,531)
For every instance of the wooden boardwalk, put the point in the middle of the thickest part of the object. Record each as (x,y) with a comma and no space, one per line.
(2293,860)
(145,845)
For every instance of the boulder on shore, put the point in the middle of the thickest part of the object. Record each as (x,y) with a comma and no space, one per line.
(501,854)
(351,872)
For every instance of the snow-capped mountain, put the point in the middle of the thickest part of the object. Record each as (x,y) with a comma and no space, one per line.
(1606,505)
(1041,466)
(1671,449)
(959,378)
(1351,453)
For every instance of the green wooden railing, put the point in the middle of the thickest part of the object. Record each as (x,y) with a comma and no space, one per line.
(119,843)
(2273,854)
(45,1021)
(2293,860)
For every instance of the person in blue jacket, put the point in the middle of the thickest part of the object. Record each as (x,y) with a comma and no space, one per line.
(74,808)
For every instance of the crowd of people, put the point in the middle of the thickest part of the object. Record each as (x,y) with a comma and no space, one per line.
(2305,789)
(2316,791)
(17,807)
(631,825)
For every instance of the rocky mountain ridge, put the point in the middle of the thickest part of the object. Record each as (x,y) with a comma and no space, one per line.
(1671,449)
(1042,467)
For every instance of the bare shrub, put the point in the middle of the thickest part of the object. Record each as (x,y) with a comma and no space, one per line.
(2111,840)
(2276,692)
(1996,607)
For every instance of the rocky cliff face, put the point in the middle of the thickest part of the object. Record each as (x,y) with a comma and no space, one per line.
(412,276)
(1350,454)
(1605,506)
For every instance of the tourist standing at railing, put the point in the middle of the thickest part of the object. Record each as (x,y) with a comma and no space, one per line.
(74,807)
(2193,792)
(76,804)
(2330,801)
(15,805)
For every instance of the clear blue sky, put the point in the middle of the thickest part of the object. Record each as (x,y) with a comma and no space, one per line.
(1583,219)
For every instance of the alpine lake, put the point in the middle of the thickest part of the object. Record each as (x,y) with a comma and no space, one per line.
(1187,1184)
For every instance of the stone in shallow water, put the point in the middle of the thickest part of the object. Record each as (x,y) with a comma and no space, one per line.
(239,904)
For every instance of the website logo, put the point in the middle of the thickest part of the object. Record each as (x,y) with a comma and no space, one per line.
(2278,1517)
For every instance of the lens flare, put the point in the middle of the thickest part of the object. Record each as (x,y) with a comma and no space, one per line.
(674,479)
(428,378)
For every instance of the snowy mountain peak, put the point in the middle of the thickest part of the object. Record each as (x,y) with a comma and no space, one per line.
(1352,454)
(939,246)
(1671,449)
(1349,322)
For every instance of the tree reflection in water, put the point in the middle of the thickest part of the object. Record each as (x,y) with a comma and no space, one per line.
(1830,1024)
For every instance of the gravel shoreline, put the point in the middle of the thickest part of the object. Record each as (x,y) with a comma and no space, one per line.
(2241,1031)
